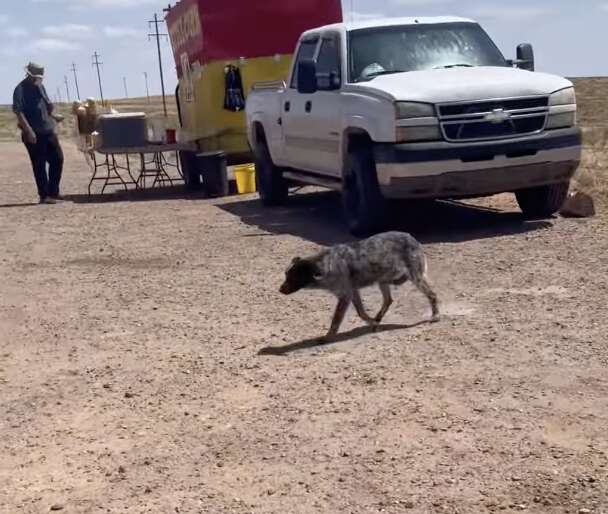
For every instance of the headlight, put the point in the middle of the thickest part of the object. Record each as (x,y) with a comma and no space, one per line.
(406,110)
(563,97)
(561,120)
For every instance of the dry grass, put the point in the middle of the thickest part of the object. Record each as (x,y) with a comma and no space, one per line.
(9,131)
(593,116)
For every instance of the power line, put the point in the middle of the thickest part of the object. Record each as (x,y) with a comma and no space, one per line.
(74,70)
(157,35)
(96,63)
(67,87)
(147,88)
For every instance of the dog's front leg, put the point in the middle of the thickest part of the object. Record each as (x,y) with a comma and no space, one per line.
(358,303)
(338,318)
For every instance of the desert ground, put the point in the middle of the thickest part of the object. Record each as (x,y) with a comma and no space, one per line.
(148,363)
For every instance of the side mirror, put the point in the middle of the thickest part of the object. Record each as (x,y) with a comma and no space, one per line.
(525,57)
(307,77)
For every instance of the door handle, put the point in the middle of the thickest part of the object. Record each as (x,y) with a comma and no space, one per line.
(287,106)
(308,106)
(280,121)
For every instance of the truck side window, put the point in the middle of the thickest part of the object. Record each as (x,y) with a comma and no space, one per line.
(328,64)
(306,51)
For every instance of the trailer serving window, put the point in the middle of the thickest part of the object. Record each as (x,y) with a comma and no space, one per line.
(396,49)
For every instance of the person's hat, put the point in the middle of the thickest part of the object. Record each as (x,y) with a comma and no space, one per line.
(35,70)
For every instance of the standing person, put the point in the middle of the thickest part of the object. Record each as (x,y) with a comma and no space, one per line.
(37,122)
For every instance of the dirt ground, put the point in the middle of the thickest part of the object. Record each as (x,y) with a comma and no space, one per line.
(148,363)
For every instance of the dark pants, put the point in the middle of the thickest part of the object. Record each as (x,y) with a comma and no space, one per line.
(46,150)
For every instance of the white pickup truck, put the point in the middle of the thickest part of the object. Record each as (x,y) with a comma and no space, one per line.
(413,108)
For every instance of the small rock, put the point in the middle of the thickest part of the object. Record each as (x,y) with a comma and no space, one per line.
(408,505)
(578,205)
(129,394)
(148,490)
(121,469)
(57,506)
(584,511)
(106,386)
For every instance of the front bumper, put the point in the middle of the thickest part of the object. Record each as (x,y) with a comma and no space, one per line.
(449,170)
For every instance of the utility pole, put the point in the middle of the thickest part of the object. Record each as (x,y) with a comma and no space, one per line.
(67,87)
(59,94)
(96,63)
(147,88)
(74,70)
(124,81)
(157,35)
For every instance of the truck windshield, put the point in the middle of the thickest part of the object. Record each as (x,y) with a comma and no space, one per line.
(384,50)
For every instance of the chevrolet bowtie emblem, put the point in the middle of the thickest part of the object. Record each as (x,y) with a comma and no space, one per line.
(497,116)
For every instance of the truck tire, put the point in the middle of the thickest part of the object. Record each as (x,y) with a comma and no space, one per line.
(543,201)
(363,203)
(271,185)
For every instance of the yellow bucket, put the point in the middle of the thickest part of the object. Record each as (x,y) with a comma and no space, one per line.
(245,178)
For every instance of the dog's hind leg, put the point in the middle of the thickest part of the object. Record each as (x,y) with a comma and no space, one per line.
(358,303)
(423,285)
(387,301)
(339,314)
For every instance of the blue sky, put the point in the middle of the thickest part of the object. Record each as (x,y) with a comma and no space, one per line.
(570,37)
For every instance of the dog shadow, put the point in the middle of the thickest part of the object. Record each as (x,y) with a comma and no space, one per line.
(357,333)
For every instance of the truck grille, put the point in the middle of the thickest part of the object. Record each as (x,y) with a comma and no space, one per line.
(493,119)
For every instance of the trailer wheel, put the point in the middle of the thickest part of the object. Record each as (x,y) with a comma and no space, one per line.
(544,201)
(363,203)
(271,185)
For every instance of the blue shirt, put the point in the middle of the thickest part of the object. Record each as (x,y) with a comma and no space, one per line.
(31,100)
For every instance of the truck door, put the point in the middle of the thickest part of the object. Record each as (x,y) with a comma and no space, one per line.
(323,117)
(298,141)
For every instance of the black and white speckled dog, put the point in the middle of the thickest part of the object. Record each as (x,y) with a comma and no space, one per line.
(386,259)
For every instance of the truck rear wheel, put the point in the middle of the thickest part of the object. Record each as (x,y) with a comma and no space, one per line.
(543,201)
(363,203)
(271,185)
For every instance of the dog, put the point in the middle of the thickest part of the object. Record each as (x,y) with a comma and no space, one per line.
(388,259)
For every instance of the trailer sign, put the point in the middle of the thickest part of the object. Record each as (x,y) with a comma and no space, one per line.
(186,32)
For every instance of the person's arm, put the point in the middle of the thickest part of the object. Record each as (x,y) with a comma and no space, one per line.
(18,109)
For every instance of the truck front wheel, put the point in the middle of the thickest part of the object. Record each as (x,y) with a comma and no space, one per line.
(271,185)
(543,201)
(363,203)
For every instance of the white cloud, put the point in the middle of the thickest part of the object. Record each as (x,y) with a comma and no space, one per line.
(122,32)
(68,31)
(3,19)
(52,45)
(603,7)
(508,13)
(16,32)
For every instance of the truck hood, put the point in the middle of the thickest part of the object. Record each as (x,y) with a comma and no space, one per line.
(464,84)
